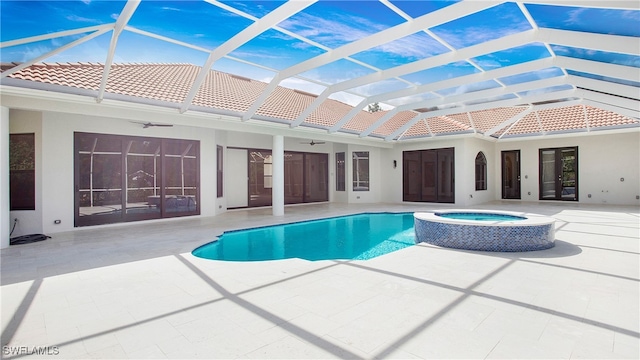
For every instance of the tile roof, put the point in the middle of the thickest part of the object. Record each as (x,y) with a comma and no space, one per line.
(232,93)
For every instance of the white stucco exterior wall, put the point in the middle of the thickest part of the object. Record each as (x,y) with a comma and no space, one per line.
(603,159)
(57,169)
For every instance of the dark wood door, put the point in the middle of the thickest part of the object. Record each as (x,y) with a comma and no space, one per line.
(511,174)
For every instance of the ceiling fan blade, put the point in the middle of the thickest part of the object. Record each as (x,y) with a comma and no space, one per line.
(150,124)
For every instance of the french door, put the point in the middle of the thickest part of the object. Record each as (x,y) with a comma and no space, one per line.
(428,175)
(559,174)
(511,174)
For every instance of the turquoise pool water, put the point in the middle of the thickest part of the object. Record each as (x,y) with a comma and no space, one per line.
(479,216)
(353,237)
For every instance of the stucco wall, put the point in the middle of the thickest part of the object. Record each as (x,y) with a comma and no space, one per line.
(603,159)
(55,172)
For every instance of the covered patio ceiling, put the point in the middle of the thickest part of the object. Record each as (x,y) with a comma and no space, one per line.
(495,68)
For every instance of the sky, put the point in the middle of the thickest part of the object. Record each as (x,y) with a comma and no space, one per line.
(316,30)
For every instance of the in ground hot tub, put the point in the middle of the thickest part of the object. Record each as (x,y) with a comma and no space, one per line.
(485,230)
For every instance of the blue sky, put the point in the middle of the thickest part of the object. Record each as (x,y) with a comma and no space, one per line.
(326,24)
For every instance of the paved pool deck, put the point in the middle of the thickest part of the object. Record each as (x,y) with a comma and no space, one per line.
(135,291)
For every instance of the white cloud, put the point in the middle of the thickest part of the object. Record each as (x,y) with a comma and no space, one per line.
(333,31)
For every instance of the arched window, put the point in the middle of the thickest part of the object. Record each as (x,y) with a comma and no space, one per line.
(481,171)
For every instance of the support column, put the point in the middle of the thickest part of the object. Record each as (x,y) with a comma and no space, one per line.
(5,218)
(277,191)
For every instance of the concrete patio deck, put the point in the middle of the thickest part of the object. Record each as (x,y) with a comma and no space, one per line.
(135,291)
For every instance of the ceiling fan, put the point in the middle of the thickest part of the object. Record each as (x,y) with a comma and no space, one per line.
(313,142)
(150,124)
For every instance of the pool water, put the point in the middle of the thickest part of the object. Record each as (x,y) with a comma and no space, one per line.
(480,216)
(352,237)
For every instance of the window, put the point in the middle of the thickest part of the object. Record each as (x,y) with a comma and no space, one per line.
(22,172)
(360,171)
(126,178)
(340,172)
(481,171)
(220,174)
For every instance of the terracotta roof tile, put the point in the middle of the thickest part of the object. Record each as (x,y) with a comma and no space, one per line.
(285,104)
(395,123)
(224,91)
(328,113)
(488,119)
(363,120)
(418,129)
(566,118)
(527,125)
(172,82)
(599,118)
(446,124)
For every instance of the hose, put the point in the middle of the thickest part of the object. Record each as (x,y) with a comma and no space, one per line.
(15,222)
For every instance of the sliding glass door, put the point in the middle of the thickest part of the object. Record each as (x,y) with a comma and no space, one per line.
(559,174)
(125,178)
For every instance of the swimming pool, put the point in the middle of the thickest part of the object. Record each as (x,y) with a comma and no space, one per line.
(352,237)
